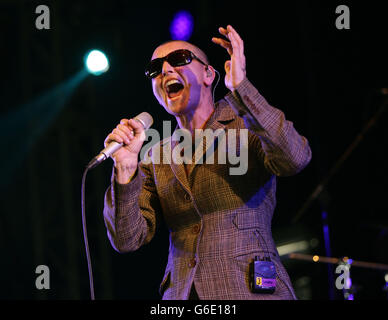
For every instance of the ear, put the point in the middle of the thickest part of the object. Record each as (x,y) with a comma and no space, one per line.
(209,75)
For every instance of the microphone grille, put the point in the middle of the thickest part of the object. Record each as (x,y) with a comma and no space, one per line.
(145,119)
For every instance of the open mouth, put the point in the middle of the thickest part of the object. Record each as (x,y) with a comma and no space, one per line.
(174,88)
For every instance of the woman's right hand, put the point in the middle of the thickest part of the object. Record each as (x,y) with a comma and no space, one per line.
(132,134)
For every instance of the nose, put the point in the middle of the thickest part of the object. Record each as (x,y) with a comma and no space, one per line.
(167,68)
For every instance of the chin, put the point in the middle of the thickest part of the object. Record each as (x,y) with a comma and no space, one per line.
(176,107)
(175,110)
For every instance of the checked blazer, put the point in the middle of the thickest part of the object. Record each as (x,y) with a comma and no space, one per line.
(217,222)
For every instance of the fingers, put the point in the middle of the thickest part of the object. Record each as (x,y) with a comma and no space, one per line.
(125,132)
(236,44)
(119,136)
(114,136)
(235,39)
(235,34)
(136,126)
(238,40)
(223,31)
(223,43)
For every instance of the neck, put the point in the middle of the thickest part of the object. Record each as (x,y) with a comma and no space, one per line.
(197,117)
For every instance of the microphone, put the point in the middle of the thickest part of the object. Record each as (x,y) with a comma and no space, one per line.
(144,118)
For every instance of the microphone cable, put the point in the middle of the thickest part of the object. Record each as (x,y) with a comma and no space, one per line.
(88,259)
(146,120)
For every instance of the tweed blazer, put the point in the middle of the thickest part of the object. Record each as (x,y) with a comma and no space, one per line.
(217,222)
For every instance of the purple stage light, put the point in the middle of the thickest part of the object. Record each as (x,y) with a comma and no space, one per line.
(182,26)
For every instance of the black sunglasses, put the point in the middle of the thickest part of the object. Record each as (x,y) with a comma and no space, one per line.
(176,58)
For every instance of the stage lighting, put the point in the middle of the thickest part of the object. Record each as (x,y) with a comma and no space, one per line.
(182,26)
(96,62)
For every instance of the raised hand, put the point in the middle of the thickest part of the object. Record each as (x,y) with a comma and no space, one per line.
(235,68)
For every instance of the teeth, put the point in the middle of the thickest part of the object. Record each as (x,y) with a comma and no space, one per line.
(170,82)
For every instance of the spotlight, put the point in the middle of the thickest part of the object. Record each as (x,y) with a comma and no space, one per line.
(96,62)
(182,26)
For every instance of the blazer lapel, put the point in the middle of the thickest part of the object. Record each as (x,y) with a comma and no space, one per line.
(177,169)
(223,113)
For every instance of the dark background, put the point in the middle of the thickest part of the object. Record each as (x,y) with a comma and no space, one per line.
(326,81)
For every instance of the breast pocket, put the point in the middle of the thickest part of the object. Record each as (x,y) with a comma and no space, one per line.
(246,220)
(253,235)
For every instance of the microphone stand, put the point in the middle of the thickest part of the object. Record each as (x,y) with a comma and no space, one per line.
(320,191)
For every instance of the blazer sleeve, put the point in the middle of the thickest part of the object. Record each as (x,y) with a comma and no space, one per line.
(131,211)
(284,151)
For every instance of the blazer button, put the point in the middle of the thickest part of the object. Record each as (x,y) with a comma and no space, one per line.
(196,228)
(192,263)
(187,197)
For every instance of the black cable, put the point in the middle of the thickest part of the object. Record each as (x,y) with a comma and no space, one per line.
(257,231)
(86,235)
